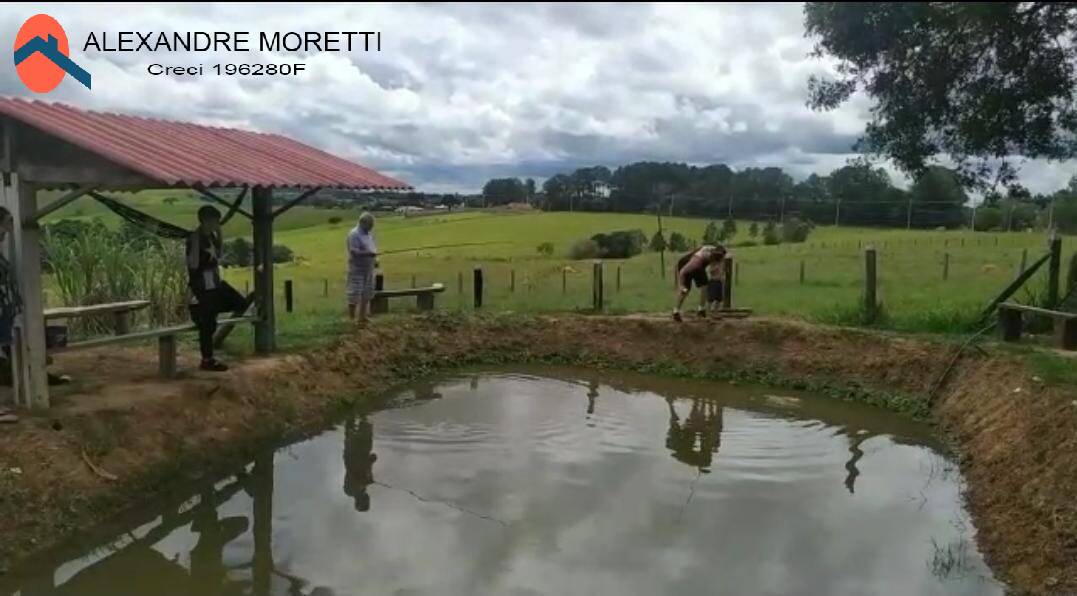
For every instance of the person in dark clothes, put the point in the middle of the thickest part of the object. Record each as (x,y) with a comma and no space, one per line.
(210,295)
(359,458)
(692,268)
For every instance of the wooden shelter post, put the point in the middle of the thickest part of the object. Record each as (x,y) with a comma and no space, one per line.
(265,340)
(28,352)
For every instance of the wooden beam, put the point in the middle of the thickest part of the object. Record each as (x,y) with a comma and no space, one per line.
(58,203)
(216,199)
(265,330)
(295,201)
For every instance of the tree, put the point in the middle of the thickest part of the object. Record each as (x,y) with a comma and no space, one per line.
(729,228)
(977,81)
(677,242)
(529,189)
(753,230)
(710,234)
(502,191)
(770,234)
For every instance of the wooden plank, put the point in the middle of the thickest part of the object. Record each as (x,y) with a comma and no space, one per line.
(434,289)
(1056,314)
(1014,286)
(265,331)
(58,204)
(144,335)
(64,312)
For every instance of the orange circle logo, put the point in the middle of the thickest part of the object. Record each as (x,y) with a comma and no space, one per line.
(39,36)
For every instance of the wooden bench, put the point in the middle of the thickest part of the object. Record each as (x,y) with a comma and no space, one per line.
(120,311)
(166,342)
(424,297)
(1065,324)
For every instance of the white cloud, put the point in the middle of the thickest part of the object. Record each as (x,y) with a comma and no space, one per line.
(460,93)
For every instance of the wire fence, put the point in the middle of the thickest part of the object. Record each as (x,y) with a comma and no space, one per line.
(926,282)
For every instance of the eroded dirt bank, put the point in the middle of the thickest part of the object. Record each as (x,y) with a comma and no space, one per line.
(109,446)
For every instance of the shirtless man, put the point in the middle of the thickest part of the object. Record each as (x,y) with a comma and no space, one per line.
(692,268)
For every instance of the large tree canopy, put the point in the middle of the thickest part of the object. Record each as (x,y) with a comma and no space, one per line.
(980,82)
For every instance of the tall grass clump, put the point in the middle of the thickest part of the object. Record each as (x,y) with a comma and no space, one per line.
(96,265)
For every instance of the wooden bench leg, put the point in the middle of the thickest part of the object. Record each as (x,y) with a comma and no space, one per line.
(379,305)
(166,356)
(425,301)
(1066,333)
(122,323)
(1009,324)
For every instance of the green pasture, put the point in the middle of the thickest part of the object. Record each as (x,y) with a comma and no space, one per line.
(914,294)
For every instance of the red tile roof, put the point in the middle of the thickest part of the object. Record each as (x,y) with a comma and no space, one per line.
(186,154)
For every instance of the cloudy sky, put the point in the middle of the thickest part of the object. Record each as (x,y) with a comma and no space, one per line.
(462,93)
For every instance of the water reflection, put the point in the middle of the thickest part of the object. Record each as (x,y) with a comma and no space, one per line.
(696,440)
(502,490)
(359,458)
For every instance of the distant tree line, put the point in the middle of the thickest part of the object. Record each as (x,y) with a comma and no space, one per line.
(854,194)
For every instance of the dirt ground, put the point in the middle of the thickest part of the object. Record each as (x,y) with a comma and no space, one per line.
(118,435)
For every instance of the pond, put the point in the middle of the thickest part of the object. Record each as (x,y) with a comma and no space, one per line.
(558,481)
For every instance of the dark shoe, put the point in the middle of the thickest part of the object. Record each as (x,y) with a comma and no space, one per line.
(701,313)
(213,366)
(677,317)
(55,380)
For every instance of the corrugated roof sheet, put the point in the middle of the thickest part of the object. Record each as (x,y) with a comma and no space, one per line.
(186,154)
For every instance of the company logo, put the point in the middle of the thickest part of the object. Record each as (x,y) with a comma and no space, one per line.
(41,55)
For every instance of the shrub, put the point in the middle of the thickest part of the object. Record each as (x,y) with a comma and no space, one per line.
(796,230)
(770,234)
(282,254)
(658,242)
(987,218)
(238,252)
(753,230)
(545,249)
(677,242)
(335,219)
(619,245)
(583,249)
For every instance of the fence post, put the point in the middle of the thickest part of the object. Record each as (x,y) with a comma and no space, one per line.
(870,303)
(1024,261)
(478,287)
(247,288)
(287,295)
(727,287)
(512,281)
(945,266)
(1054,270)
(736,273)
(325,288)
(564,280)
(413,280)
(618,279)
(596,289)
(459,282)
(801,272)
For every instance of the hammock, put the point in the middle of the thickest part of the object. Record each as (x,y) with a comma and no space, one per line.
(153,225)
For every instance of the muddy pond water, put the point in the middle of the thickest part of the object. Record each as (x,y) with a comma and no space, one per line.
(562,482)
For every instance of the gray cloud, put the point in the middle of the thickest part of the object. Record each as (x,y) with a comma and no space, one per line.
(462,92)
